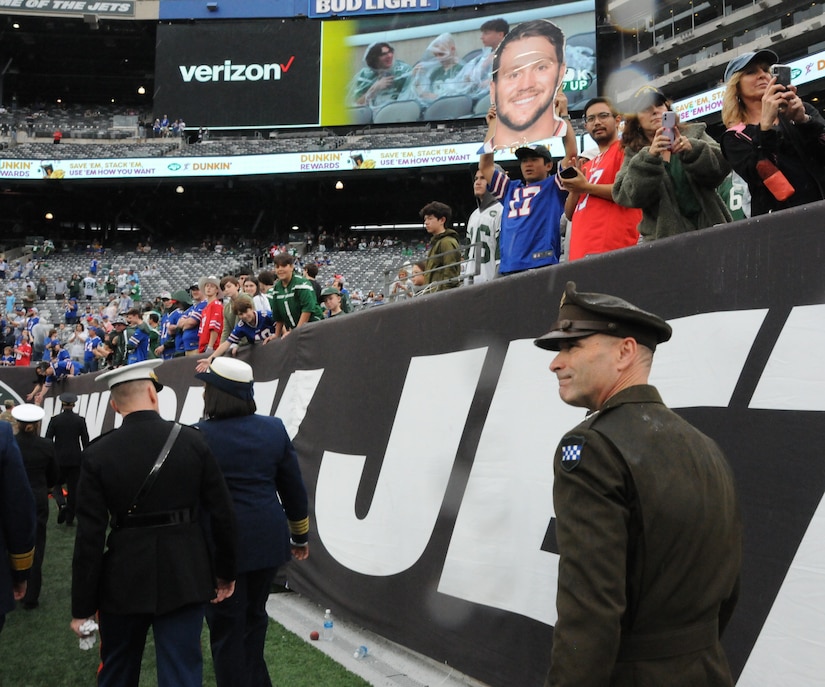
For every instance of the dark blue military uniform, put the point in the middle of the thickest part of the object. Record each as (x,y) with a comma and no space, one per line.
(17,520)
(261,469)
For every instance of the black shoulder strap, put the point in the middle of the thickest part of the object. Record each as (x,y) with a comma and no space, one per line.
(153,473)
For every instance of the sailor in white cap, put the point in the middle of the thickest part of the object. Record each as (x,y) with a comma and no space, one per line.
(264,478)
(149,480)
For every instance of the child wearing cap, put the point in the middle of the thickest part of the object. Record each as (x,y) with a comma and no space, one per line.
(7,359)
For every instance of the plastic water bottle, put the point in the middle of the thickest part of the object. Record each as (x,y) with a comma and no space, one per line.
(327,634)
(360,652)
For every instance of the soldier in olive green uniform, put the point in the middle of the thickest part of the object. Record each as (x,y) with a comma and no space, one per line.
(648,524)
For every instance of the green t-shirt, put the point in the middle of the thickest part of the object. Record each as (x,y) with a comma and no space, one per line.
(290,301)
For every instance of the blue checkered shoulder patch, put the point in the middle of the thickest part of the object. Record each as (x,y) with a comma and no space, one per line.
(571,452)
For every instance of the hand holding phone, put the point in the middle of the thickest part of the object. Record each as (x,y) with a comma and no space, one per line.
(669,126)
(782,74)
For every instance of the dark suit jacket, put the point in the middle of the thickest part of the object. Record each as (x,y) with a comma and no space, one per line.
(261,468)
(40,464)
(17,519)
(650,538)
(70,435)
(151,570)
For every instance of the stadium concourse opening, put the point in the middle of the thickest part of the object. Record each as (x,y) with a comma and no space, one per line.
(258,207)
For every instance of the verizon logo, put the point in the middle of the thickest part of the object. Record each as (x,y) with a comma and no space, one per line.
(227,71)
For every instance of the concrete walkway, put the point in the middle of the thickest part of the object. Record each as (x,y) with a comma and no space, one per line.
(386,664)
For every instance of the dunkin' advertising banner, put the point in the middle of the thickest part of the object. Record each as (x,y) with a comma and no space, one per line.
(426,432)
(423,65)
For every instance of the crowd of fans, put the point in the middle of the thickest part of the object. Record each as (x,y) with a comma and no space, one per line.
(650,177)
(107,320)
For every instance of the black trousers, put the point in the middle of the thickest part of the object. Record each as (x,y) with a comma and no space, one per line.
(177,647)
(36,575)
(237,632)
(69,475)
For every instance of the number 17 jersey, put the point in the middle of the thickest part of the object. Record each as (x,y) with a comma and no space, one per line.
(529,236)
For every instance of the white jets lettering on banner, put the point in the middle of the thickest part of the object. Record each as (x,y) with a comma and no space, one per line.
(507,503)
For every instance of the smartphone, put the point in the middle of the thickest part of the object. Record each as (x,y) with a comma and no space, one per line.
(669,125)
(782,72)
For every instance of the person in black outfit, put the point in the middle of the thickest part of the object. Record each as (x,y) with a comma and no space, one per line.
(774,140)
(41,467)
(146,488)
(70,435)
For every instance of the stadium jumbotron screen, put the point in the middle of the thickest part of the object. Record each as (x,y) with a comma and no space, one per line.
(310,72)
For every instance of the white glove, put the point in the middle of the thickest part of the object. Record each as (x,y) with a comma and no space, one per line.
(89,629)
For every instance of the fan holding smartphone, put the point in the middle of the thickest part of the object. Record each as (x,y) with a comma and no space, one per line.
(774,141)
(669,126)
(670,170)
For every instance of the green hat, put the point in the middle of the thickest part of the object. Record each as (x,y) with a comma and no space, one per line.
(182,296)
(585,314)
(330,291)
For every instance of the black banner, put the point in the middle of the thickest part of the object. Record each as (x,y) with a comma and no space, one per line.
(426,432)
(238,73)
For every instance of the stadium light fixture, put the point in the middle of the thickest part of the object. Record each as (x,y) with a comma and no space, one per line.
(49,216)
(141,90)
(179,189)
(339,185)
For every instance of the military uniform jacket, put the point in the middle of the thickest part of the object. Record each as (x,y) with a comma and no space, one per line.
(41,466)
(649,533)
(158,569)
(70,435)
(261,469)
(17,519)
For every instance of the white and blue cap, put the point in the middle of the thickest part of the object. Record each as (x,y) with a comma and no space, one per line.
(738,63)
(133,373)
(230,375)
(28,413)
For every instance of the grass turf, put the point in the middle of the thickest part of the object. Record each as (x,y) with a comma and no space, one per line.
(37,648)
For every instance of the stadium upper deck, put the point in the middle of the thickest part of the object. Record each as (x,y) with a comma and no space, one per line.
(108,58)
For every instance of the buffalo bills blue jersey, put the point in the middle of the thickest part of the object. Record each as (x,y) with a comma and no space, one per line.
(529,235)
(263,328)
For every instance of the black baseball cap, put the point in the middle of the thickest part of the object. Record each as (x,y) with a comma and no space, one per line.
(534,151)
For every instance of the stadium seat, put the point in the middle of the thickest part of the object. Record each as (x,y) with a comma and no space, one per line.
(360,115)
(400,111)
(482,105)
(470,56)
(449,108)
